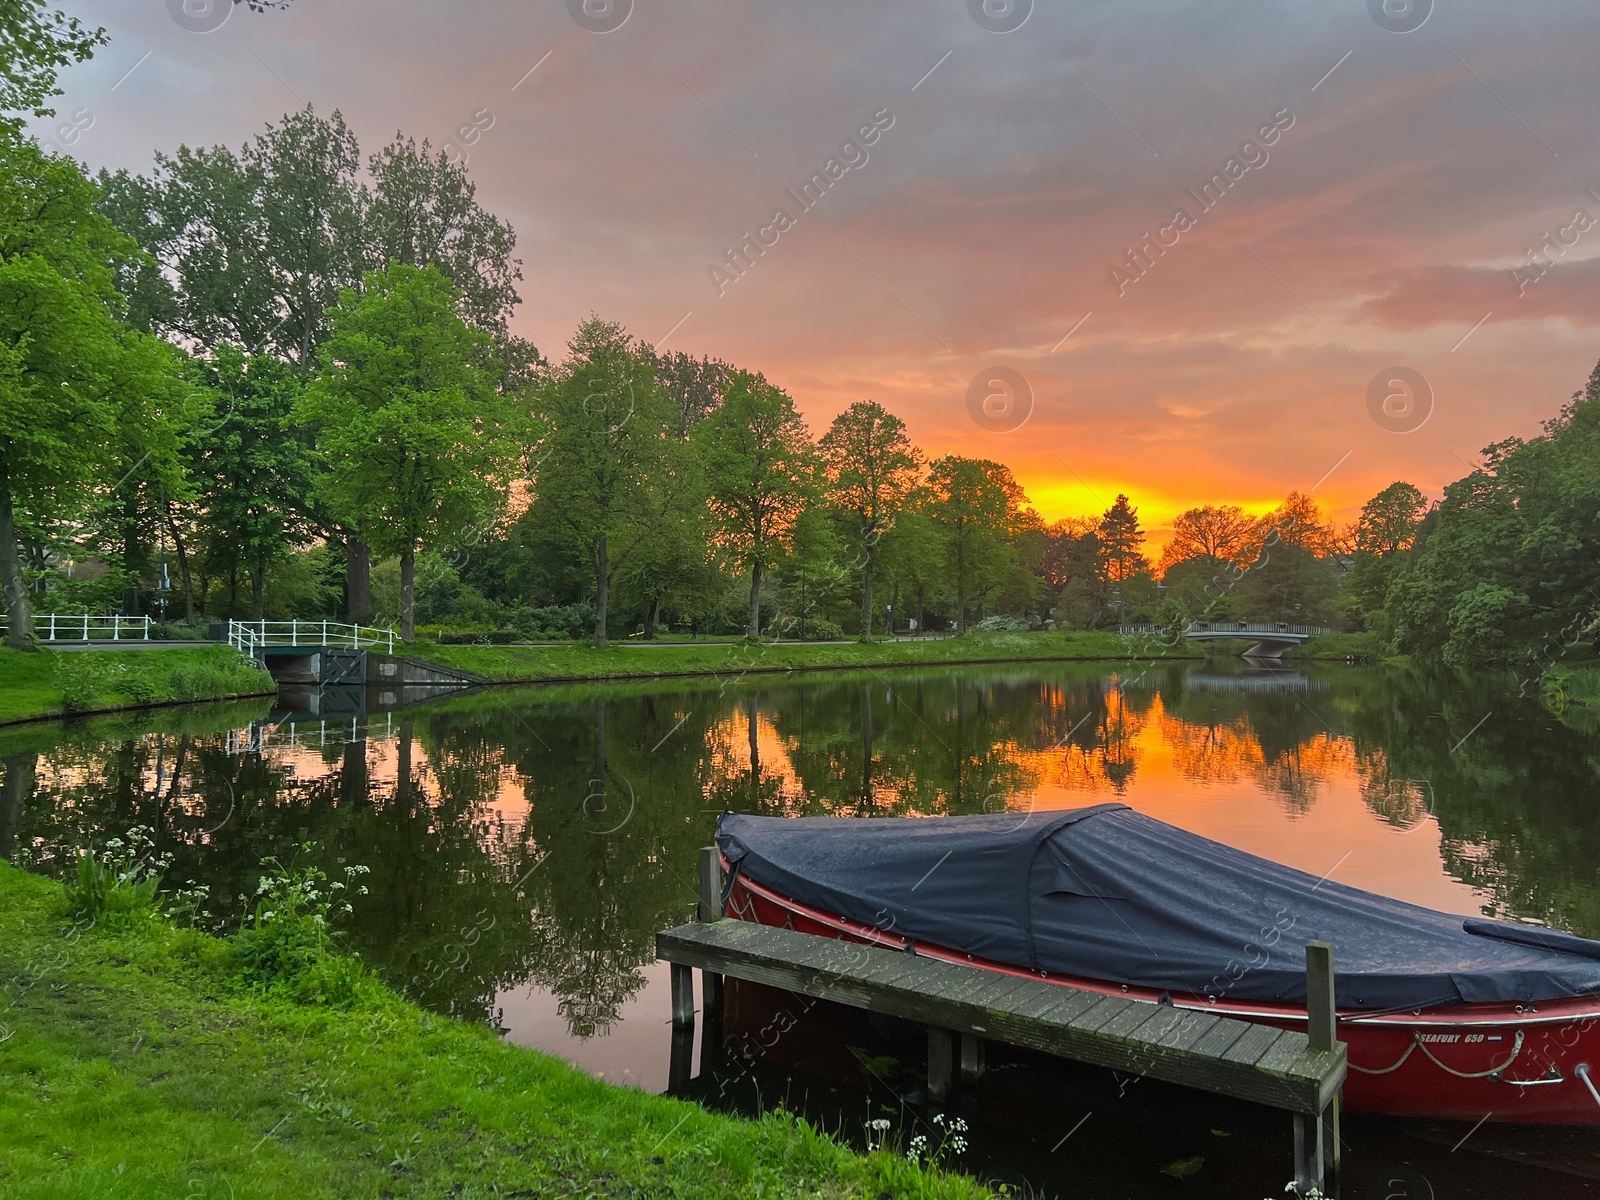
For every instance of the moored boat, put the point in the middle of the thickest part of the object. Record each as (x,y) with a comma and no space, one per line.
(1444,1016)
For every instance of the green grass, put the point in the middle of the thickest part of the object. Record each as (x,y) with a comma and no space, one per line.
(135,1063)
(48,683)
(1363,647)
(579,661)
(1570,684)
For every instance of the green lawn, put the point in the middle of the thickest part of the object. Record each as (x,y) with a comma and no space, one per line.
(51,682)
(636,661)
(135,1062)
(1364,647)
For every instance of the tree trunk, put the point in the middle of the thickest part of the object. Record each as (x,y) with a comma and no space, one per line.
(258,589)
(755,748)
(233,589)
(353,773)
(408,593)
(357,580)
(131,557)
(15,792)
(754,631)
(652,618)
(602,590)
(866,600)
(183,568)
(866,745)
(19,611)
(402,779)
(961,588)
(594,804)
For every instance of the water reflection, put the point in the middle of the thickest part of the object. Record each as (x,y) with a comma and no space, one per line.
(540,839)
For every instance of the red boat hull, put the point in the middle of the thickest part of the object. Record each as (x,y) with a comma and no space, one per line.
(1496,1062)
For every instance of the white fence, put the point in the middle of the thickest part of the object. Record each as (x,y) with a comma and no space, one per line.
(308,735)
(80,627)
(253,636)
(1253,628)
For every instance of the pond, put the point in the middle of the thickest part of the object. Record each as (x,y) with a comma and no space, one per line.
(525,846)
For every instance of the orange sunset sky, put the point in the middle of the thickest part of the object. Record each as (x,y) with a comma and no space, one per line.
(1410,174)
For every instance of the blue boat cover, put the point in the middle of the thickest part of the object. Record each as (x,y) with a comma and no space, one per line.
(1108,894)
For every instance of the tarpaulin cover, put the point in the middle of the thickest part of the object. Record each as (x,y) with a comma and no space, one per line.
(1107,894)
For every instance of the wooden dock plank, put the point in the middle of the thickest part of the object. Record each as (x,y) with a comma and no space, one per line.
(1258,1039)
(1221,1037)
(1128,1022)
(1097,1017)
(1196,1049)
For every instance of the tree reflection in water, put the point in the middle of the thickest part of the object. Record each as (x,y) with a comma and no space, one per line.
(543,838)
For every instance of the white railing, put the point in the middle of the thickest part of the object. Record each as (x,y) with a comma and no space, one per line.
(251,637)
(1248,628)
(308,735)
(80,627)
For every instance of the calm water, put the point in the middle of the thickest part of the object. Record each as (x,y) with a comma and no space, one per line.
(526,846)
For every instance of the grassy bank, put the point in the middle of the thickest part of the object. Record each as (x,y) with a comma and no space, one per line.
(1362,647)
(48,683)
(1572,692)
(138,1059)
(532,664)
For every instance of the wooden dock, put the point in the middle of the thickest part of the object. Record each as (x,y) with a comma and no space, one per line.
(964,1006)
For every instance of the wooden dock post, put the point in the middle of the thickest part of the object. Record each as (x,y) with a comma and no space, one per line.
(682,995)
(971,1057)
(941,1062)
(1316,1136)
(710,910)
(680,1064)
(1176,1044)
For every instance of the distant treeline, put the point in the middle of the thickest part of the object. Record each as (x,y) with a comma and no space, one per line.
(284,381)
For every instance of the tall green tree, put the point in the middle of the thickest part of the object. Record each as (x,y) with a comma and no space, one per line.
(1121,540)
(978,507)
(422,210)
(760,473)
(408,419)
(64,353)
(812,569)
(872,471)
(1507,570)
(912,555)
(252,467)
(1389,521)
(1384,534)
(609,463)
(693,387)
(252,248)
(155,413)
(35,42)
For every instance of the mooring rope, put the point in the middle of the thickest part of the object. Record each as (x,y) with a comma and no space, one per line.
(1417,1043)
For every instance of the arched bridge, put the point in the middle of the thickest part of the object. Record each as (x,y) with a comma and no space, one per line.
(1270,638)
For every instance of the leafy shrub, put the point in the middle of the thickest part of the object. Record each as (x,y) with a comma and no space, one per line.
(493,637)
(817,629)
(85,679)
(440,595)
(555,620)
(179,631)
(123,880)
(1001,624)
(288,946)
(141,689)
